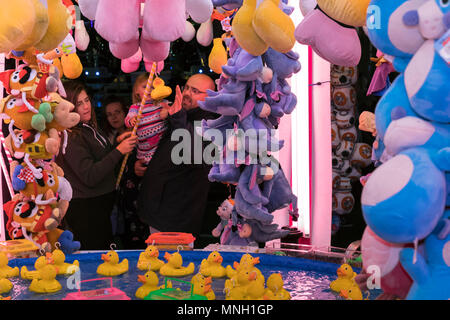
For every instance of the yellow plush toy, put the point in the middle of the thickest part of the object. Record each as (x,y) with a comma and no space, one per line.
(71,65)
(40,26)
(242,28)
(59,25)
(218,56)
(17,20)
(274,26)
(349,12)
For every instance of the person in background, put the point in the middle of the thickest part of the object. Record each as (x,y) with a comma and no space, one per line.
(152,123)
(114,112)
(89,164)
(173,197)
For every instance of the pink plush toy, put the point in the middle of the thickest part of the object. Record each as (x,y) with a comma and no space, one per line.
(161,22)
(131,64)
(331,40)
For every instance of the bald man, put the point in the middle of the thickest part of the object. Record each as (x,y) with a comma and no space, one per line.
(173,197)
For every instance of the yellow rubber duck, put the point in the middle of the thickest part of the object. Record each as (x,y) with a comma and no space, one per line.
(212,266)
(149,283)
(173,267)
(46,282)
(111,266)
(345,278)
(63,267)
(148,260)
(256,291)
(5,270)
(5,285)
(247,261)
(5,298)
(245,35)
(160,90)
(239,284)
(38,264)
(352,293)
(202,286)
(236,293)
(274,26)
(275,286)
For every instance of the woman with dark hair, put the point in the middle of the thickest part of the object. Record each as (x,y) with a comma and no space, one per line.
(114,112)
(89,165)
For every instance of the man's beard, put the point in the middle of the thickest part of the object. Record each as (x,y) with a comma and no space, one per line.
(187,103)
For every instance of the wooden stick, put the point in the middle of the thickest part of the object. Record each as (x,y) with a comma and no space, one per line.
(147,92)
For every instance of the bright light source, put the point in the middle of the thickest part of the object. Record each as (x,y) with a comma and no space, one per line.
(97,73)
(300,134)
(86,73)
(200,71)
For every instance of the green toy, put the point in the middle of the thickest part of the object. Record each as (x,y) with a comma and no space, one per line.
(174,293)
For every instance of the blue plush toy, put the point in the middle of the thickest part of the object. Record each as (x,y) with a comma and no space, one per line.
(427,77)
(431,272)
(68,245)
(398,43)
(404,198)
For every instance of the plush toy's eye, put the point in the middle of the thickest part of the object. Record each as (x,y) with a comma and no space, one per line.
(15,77)
(11,103)
(20,138)
(51,180)
(445,3)
(18,208)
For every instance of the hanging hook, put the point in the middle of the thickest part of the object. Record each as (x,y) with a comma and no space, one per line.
(179,247)
(58,245)
(113,246)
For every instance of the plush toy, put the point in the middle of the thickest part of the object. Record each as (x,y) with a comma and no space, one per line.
(415,173)
(330,38)
(243,31)
(38,145)
(243,66)
(218,56)
(378,252)
(274,26)
(428,94)
(32,221)
(17,22)
(224,212)
(431,271)
(199,10)
(59,25)
(205,33)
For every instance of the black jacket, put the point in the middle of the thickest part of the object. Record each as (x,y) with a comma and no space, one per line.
(89,163)
(173,196)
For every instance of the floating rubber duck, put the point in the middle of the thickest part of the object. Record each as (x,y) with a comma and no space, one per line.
(149,283)
(212,266)
(173,267)
(5,298)
(345,278)
(236,293)
(111,266)
(5,285)
(63,267)
(275,286)
(256,291)
(241,280)
(247,261)
(148,260)
(5,270)
(38,264)
(160,90)
(46,282)
(202,286)
(353,293)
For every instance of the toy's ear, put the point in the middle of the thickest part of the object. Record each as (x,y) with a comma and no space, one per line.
(88,8)
(71,65)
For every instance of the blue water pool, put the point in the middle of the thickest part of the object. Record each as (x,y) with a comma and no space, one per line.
(305,279)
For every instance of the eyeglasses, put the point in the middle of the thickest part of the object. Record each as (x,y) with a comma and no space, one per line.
(192,89)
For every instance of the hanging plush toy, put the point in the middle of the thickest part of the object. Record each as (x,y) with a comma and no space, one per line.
(330,30)
(224,212)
